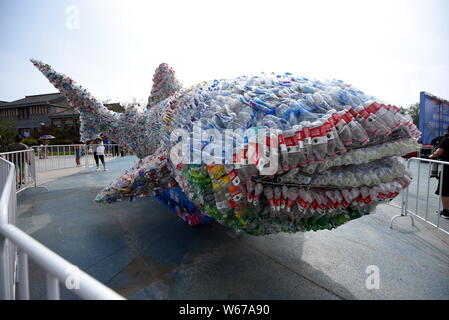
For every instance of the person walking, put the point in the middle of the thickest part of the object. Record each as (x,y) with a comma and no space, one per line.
(100,154)
(107,146)
(93,146)
(78,147)
(442,153)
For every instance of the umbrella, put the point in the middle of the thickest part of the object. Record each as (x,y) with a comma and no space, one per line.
(46,137)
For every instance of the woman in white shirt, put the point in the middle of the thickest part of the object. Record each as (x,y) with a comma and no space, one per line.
(100,153)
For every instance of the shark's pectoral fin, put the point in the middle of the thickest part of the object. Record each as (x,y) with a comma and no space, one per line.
(165,84)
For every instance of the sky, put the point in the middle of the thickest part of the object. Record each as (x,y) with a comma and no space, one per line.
(390,49)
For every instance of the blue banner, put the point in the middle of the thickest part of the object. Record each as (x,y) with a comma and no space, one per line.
(433,117)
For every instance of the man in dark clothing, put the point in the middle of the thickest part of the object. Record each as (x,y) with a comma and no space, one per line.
(18,158)
(115,149)
(436,142)
(442,154)
(17,145)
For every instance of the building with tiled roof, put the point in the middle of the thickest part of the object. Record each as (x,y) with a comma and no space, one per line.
(33,113)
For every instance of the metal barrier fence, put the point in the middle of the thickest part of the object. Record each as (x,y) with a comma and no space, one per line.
(16,246)
(423,203)
(425,151)
(52,157)
(8,251)
(25,166)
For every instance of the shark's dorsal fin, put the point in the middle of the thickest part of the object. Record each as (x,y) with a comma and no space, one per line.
(165,84)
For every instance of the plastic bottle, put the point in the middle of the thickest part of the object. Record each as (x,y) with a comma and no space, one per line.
(307,141)
(328,127)
(250,185)
(357,132)
(319,140)
(284,198)
(257,191)
(283,150)
(302,158)
(292,195)
(277,198)
(268,192)
(383,114)
(291,143)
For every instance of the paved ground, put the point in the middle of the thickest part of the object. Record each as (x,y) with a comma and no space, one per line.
(67,161)
(51,169)
(144,251)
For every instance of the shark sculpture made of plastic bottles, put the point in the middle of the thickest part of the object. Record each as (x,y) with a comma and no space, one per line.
(356,128)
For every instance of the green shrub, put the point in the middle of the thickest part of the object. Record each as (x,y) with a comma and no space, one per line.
(30,141)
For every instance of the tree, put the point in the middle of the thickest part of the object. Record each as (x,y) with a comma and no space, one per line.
(413,111)
(7,132)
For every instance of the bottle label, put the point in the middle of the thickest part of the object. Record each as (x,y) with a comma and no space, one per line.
(281,139)
(283,203)
(365,114)
(300,138)
(347,117)
(373,107)
(291,143)
(318,135)
(353,112)
(367,200)
(282,145)
(236,194)
(234,177)
(307,138)
(299,135)
(277,202)
(327,127)
(316,132)
(301,202)
(232,204)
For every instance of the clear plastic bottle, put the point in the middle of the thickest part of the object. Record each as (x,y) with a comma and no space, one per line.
(357,132)
(319,140)
(302,158)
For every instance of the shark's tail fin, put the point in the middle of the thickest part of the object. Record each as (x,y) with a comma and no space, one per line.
(165,84)
(95,117)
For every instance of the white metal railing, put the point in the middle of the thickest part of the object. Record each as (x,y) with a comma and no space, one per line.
(16,246)
(8,250)
(430,202)
(53,157)
(25,167)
